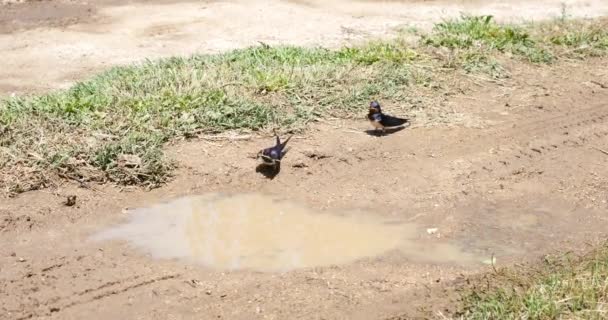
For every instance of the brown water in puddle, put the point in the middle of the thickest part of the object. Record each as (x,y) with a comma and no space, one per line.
(252,231)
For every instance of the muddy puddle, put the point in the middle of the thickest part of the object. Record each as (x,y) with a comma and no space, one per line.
(263,233)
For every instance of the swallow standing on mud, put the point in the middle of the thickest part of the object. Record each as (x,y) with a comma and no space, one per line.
(382,121)
(272,156)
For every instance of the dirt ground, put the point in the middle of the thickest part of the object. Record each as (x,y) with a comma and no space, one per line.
(523,173)
(49,44)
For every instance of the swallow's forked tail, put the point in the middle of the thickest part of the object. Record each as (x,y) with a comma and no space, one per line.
(282,145)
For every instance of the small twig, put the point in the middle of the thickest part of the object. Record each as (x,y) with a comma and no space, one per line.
(69,177)
(483,79)
(5,151)
(230,84)
(601,150)
(477,99)
(441,315)
(214,144)
(105,136)
(230,138)
(80,182)
(416,217)
(564,300)
(37,156)
(603,86)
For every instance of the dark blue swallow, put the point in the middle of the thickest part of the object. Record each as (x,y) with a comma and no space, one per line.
(381,121)
(272,156)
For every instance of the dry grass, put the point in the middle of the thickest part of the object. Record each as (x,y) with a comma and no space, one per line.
(562,288)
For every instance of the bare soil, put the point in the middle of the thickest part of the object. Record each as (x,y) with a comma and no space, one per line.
(50,44)
(522,173)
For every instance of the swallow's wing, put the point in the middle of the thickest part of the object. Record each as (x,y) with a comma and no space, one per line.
(390,121)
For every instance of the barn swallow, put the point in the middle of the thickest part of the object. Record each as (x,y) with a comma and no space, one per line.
(381,121)
(272,156)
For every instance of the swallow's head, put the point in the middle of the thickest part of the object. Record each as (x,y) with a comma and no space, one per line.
(374,107)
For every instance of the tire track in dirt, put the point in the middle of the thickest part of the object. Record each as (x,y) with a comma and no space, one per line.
(49,290)
(122,288)
(89,295)
(521,147)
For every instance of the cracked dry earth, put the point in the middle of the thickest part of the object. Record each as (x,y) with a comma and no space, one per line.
(520,172)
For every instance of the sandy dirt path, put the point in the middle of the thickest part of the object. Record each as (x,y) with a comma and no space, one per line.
(521,175)
(50,44)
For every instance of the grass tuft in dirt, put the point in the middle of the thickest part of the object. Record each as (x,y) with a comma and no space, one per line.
(113,126)
(475,33)
(564,288)
(576,39)
(474,42)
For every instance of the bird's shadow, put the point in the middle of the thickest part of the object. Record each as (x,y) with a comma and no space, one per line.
(387,131)
(269,171)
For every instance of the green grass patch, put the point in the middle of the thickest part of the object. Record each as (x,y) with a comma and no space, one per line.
(576,39)
(481,32)
(474,42)
(113,126)
(563,288)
